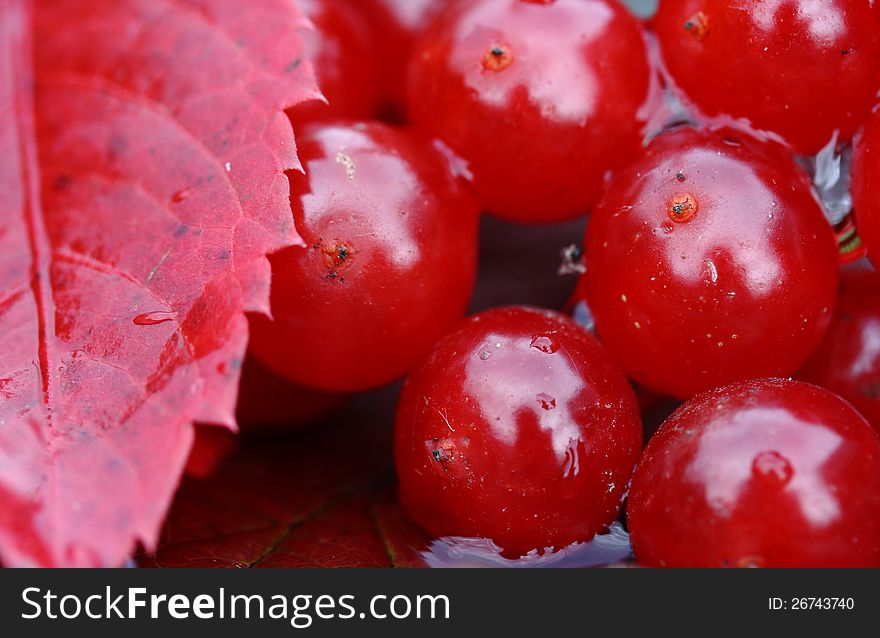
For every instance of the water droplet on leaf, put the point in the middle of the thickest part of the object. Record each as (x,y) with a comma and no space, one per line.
(154,318)
(181,195)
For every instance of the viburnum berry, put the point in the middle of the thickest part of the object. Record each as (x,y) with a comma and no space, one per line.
(709,261)
(799,68)
(345,62)
(517,428)
(541,98)
(865,186)
(389,261)
(259,407)
(767,473)
(395,26)
(848,359)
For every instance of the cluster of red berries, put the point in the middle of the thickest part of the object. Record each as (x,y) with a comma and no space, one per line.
(712,270)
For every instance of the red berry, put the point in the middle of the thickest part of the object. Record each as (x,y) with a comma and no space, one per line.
(709,261)
(866,186)
(346,65)
(395,26)
(211,446)
(541,98)
(800,68)
(389,263)
(848,360)
(765,473)
(516,428)
(268,402)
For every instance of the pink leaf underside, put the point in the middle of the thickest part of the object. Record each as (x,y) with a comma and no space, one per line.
(143,146)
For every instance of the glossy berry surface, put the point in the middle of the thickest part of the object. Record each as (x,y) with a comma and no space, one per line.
(345,63)
(389,263)
(709,261)
(799,68)
(761,474)
(848,359)
(395,26)
(541,98)
(865,186)
(516,428)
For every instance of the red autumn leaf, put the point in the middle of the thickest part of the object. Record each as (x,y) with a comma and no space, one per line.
(319,497)
(142,155)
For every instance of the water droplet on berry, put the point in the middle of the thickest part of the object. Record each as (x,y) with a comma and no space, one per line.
(772,469)
(711,271)
(546,401)
(154,318)
(572,463)
(545,343)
